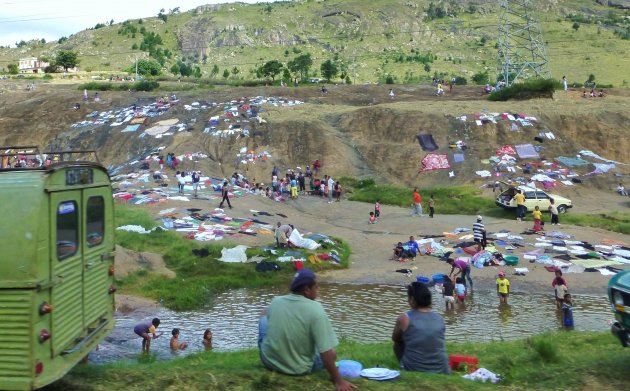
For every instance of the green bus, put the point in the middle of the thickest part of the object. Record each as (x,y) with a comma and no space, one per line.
(56,263)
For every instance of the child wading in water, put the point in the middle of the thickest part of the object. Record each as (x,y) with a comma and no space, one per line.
(144,329)
(372,218)
(447,291)
(503,288)
(567,311)
(207,339)
(560,288)
(175,344)
(460,288)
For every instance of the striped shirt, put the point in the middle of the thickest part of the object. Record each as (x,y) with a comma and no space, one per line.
(478,230)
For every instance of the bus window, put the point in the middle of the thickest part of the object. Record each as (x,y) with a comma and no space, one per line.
(95,222)
(67,229)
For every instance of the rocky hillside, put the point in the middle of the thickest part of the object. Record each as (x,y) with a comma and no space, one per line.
(356,131)
(406,40)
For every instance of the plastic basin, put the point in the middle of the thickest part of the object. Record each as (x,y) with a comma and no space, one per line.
(349,368)
(511,260)
(423,279)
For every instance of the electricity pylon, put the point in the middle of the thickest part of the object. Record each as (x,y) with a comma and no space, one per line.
(522,51)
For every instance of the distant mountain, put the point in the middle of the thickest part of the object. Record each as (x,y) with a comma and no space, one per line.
(405,41)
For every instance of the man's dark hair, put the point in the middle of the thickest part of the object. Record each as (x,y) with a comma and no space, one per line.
(420,293)
(155,322)
(175,332)
(300,290)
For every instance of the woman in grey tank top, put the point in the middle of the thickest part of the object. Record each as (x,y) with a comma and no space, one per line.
(418,335)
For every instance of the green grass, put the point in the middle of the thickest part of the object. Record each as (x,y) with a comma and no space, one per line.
(199,279)
(452,200)
(553,361)
(468,200)
(611,221)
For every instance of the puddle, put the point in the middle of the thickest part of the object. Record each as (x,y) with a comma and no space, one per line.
(364,313)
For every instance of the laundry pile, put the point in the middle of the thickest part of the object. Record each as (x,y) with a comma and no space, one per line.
(555,251)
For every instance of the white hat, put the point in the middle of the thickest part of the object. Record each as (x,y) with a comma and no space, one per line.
(479,217)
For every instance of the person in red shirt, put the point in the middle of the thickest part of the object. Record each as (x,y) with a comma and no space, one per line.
(417,203)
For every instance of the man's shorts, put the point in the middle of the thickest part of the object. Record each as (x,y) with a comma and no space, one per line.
(461,297)
(449,299)
(504,295)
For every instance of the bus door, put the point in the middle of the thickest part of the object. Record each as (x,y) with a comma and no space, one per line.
(66,269)
(95,255)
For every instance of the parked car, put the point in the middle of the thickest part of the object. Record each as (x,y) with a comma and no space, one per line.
(314,80)
(533,197)
(619,296)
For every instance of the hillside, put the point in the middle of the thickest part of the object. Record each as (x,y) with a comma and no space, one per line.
(393,38)
(356,131)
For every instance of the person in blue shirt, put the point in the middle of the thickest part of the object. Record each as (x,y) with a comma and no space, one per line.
(412,248)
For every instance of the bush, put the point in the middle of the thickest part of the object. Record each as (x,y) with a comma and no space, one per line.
(461,80)
(145,85)
(389,79)
(481,78)
(533,88)
(47,77)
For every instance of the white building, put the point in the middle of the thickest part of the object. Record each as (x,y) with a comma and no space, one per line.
(32,65)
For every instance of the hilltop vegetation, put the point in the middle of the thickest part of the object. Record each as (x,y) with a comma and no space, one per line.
(396,41)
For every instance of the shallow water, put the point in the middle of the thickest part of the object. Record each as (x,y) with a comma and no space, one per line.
(364,313)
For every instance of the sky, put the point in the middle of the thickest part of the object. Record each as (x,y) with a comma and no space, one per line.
(53,19)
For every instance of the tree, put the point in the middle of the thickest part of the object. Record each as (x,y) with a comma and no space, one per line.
(67,59)
(235,71)
(301,64)
(147,67)
(271,69)
(197,72)
(13,69)
(576,26)
(214,71)
(175,69)
(226,73)
(328,69)
(162,15)
(427,68)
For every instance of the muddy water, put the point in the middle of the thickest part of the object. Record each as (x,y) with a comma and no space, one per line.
(361,313)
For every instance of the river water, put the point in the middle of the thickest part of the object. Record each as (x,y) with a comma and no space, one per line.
(364,313)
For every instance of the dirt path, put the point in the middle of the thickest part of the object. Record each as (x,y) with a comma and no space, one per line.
(372,244)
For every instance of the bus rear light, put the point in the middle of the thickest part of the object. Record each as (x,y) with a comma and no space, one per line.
(111,270)
(39,368)
(44,336)
(112,289)
(45,308)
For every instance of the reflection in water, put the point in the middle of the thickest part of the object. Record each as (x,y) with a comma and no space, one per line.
(364,313)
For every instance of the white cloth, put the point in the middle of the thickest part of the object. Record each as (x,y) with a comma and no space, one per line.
(299,241)
(234,255)
(484,375)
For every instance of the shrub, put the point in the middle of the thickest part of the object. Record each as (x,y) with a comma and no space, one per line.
(47,76)
(481,78)
(145,85)
(461,80)
(546,349)
(534,88)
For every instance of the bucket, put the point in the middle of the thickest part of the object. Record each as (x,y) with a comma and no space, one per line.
(511,260)
(438,278)
(349,368)
(423,279)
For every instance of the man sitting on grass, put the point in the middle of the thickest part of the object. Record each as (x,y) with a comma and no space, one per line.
(295,336)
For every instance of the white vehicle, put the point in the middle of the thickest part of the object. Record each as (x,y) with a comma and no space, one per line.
(533,197)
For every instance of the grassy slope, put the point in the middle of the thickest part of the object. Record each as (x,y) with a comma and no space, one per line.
(556,361)
(198,279)
(384,26)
